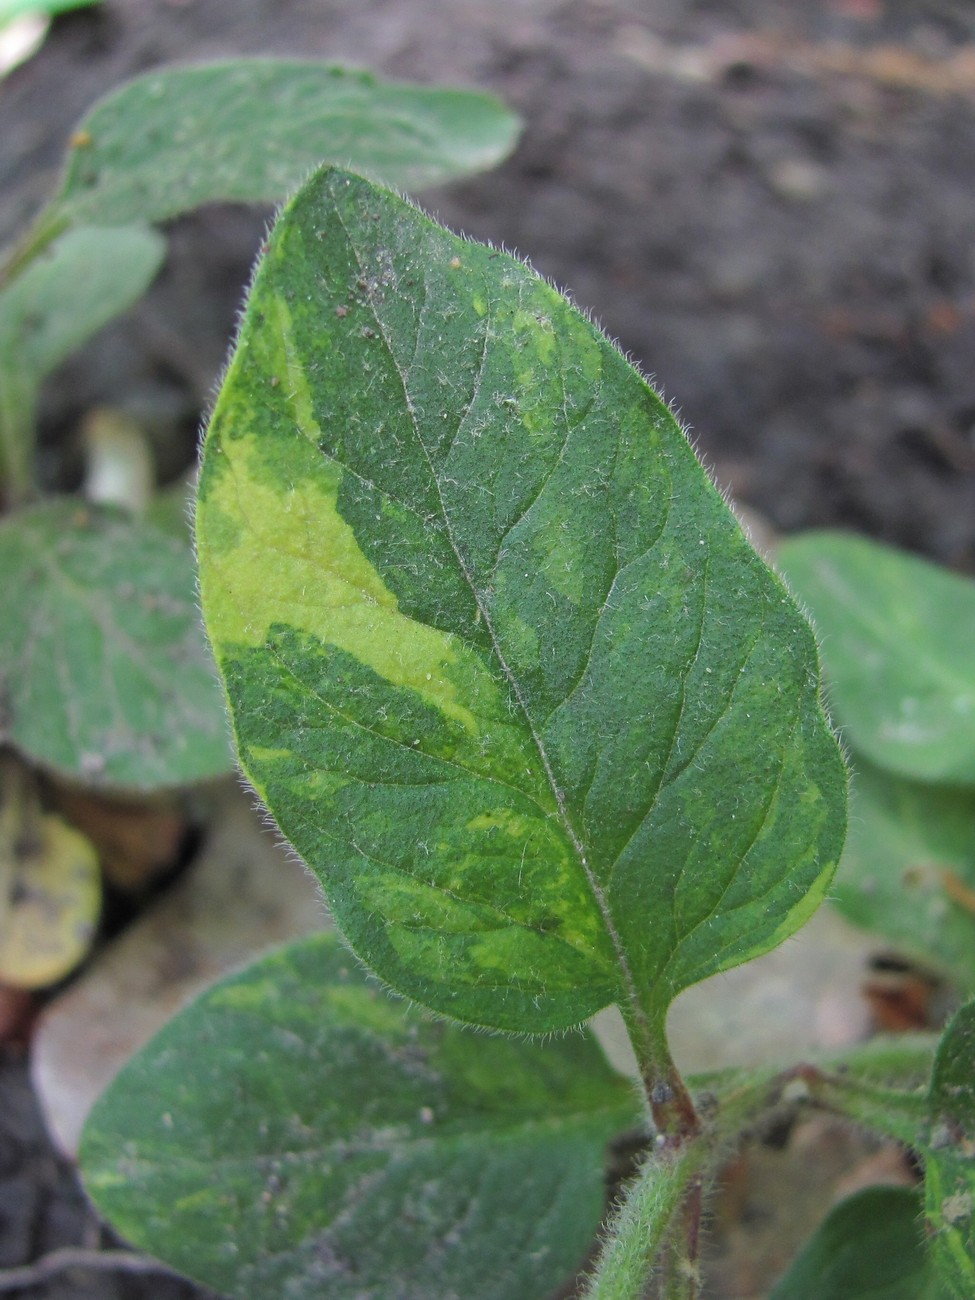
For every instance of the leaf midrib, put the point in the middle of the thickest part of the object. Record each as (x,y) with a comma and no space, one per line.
(602,903)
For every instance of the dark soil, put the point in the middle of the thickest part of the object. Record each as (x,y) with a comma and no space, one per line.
(768,202)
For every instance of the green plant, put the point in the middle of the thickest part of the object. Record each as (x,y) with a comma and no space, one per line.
(105,678)
(11,9)
(502,665)
(897,636)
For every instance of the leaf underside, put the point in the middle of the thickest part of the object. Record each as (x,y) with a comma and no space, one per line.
(295,1133)
(498,656)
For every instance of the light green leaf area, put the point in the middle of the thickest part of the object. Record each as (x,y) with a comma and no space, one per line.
(897,636)
(104,672)
(499,659)
(251,130)
(908,869)
(949,1157)
(296,1133)
(77,285)
(870,1247)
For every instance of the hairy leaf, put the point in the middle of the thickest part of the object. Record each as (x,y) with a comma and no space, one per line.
(870,1247)
(949,1168)
(499,658)
(104,672)
(296,1133)
(908,870)
(897,637)
(250,131)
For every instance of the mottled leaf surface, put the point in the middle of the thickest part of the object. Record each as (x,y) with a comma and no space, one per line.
(499,658)
(296,1133)
(897,635)
(949,1166)
(104,671)
(908,869)
(251,130)
(870,1247)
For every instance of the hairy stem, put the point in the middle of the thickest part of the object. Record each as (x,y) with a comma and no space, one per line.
(652,1237)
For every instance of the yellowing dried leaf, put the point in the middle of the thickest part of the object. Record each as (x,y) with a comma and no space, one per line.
(50,894)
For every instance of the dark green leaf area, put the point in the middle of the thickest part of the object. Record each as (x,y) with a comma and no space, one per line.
(870,1247)
(897,637)
(104,669)
(425,460)
(908,869)
(250,130)
(297,1133)
(950,1156)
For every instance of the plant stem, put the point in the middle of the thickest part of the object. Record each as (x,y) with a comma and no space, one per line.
(39,236)
(671,1106)
(17,402)
(653,1234)
(900,1115)
(16,440)
(896,1111)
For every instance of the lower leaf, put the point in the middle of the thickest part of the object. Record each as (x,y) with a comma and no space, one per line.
(296,1133)
(870,1247)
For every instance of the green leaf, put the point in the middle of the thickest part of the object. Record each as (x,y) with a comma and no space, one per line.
(897,636)
(500,660)
(870,1247)
(250,131)
(11,9)
(171,508)
(908,870)
(949,1170)
(104,673)
(297,1133)
(73,288)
